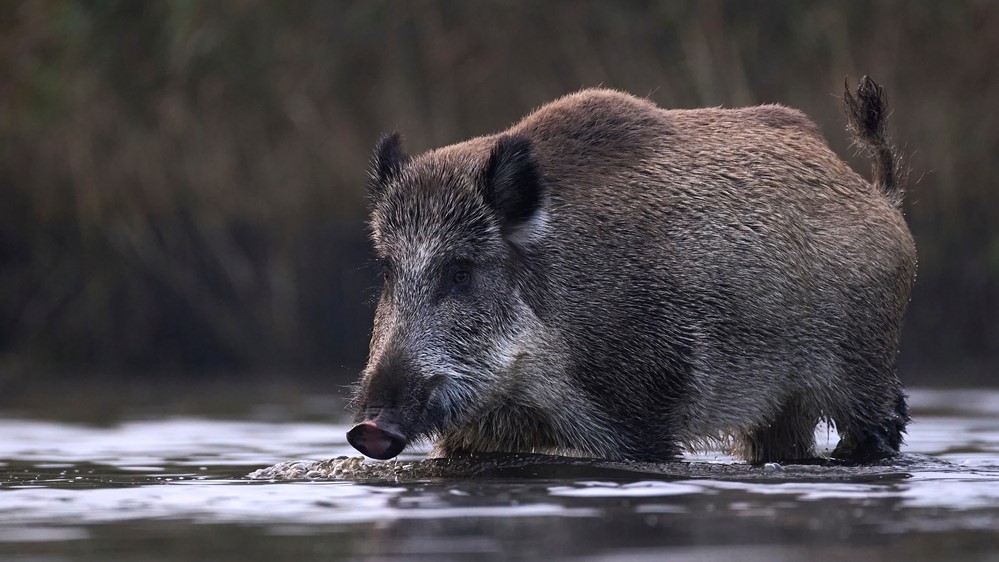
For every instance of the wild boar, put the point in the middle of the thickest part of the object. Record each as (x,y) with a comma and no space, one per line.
(610,279)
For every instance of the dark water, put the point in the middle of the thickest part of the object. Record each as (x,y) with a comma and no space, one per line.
(176,489)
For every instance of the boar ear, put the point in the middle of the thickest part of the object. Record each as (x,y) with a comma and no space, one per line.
(386,163)
(512,185)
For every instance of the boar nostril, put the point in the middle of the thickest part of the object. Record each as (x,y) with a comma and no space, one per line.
(377,442)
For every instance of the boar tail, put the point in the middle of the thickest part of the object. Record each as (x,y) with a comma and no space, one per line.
(867,111)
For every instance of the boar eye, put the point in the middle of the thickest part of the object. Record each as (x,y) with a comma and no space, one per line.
(457,277)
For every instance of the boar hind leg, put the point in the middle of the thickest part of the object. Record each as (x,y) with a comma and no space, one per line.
(790,435)
(876,439)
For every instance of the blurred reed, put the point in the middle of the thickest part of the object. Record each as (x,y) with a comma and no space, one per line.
(182,183)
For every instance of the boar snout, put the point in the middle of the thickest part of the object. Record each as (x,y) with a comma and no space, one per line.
(378,438)
(389,407)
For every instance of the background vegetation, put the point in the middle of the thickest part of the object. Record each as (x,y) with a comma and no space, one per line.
(182,183)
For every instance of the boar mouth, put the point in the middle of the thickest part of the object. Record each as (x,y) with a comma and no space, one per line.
(380,440)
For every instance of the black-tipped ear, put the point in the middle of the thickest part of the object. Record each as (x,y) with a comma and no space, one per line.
(387,162)
(512,181)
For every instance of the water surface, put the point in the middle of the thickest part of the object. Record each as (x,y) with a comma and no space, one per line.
(176,488)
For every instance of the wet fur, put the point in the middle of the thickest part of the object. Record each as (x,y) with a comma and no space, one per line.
(658,279)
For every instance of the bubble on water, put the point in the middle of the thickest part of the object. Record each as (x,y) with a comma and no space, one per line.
(339,468)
